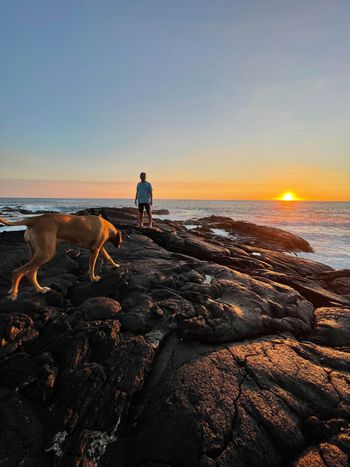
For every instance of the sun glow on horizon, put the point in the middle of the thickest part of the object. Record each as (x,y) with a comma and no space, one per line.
(288,196)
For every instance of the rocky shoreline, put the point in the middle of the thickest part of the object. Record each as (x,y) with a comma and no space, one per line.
(201,350)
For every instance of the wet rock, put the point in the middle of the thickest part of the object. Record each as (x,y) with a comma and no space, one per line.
(312,290)
(161,212)
(337,281)
(249,233)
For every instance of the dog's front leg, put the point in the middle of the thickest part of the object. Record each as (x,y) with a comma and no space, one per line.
(107,257)
(93,257)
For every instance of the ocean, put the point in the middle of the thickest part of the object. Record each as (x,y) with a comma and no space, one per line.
(325,225)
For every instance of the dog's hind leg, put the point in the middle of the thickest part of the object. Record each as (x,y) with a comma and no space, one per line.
(43,252)
(32,276)
(30,270)
(17,277)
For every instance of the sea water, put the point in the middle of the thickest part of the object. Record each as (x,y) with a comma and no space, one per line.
(325,225)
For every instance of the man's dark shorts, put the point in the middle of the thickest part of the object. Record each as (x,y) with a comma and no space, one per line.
(143,206)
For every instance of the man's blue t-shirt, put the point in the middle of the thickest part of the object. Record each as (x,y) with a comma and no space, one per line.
(144,190)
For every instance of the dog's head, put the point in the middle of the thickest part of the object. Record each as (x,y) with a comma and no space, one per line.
(117,238)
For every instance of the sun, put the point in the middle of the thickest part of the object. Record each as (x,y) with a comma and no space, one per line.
(288,196)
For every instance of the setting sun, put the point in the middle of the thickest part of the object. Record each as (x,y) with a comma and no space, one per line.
(288,196)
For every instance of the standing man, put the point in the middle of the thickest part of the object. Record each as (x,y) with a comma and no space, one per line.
(144,198)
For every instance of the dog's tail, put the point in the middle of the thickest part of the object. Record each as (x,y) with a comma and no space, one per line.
(21,222)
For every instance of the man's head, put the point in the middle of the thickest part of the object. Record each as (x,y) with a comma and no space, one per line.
(143,176)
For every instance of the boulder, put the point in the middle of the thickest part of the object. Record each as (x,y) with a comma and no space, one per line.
(99,308)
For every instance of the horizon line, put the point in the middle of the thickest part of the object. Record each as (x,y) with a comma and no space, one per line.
(182,199)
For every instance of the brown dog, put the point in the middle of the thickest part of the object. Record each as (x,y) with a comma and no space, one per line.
(43,232)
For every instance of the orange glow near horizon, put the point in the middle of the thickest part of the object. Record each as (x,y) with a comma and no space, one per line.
(288,196)
(171,189)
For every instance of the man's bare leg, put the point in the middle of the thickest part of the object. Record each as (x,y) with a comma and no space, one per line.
(141,218)
(149,214)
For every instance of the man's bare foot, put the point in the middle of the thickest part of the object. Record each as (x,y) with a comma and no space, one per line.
(95,278)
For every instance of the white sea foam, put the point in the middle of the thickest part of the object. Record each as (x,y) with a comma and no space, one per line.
(221,233)
(207,279)
(7,228)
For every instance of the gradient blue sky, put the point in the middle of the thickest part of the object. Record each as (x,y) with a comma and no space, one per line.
(214,99)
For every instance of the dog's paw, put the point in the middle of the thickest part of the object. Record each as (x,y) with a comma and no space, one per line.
(12,296)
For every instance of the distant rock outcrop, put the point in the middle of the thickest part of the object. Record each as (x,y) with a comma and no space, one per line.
(199,350)
(249,233)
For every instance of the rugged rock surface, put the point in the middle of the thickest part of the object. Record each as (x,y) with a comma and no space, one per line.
(199,350)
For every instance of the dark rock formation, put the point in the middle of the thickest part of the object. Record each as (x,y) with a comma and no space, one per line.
(199,351)
(248,233)
(25,211)
(251,403)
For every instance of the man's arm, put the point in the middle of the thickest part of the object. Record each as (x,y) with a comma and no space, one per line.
(136,195)
(151,195)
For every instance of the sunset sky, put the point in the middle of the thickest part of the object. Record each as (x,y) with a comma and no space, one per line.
(224,99)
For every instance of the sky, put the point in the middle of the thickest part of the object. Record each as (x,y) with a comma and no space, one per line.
(225,99)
